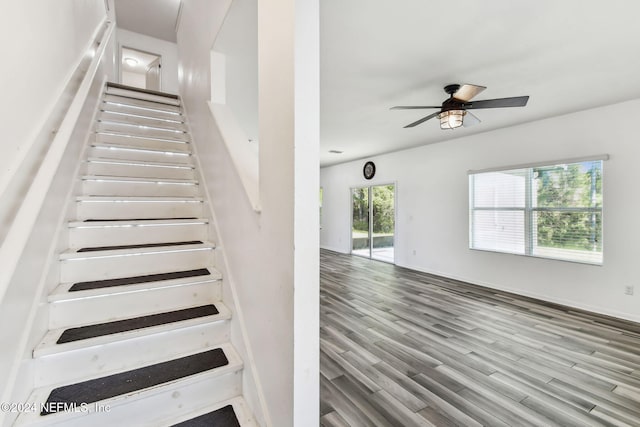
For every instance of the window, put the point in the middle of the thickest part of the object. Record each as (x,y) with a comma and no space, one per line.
(550,211)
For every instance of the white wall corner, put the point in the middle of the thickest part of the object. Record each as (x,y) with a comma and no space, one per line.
(218,78)
(306,370)
(243,155)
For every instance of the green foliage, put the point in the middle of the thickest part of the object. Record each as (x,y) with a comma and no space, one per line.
(383,209)
(360,209)
(573,186)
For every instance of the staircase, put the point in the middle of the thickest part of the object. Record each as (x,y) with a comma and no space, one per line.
(138,334)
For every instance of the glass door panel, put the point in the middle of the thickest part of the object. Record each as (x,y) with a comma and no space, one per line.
(360,242)
(383,222)
(373,222)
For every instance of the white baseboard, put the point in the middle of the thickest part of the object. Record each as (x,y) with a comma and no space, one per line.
(560,301)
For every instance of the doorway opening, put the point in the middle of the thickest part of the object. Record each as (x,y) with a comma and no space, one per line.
(140,69)
(373,222)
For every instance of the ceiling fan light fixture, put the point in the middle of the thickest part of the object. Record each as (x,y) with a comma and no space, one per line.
(451,119)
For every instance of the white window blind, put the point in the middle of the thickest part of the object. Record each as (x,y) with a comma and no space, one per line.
(550,211)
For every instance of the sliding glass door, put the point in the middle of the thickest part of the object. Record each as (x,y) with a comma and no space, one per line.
(360,229)
(383,224)
(373,222)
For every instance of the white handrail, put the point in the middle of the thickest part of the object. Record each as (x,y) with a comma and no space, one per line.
(18,234)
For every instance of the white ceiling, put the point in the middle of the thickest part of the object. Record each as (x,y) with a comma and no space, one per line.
(567,55)
(154,18)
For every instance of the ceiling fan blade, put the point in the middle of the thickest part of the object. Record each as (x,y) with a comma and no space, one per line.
(516,101)
(422,120)
(466,92)
(470,120)
(413,107)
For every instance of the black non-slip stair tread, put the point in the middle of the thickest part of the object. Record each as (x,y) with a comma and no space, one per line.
(137,89)
(155,126)
(146,245)
(109,328)
(136,179)
(140,136)
(99,284)
(106,145)
(138,199)
(136,219)
(223,417)
(138,379)
(148,126)
(177,119)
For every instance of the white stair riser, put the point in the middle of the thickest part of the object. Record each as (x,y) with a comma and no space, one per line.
(94,268)
(138,171)
(132,188)
(142,142)
(138,210)
(142,96)
(141,131)
(142,119)
(135,235)
(147,408)
(139,155)
(90,362)
(123,305)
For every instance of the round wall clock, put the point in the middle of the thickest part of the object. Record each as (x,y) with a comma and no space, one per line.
(369,170)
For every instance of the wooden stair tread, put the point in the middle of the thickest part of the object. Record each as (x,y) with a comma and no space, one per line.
(183,320)
(137,222)
(106,160)
(66,291)
(137,179)
(140,148)
(110,252)
(187,199)
(223,417)
(117,99)
(118,326)
(97,284)
(166,127)
(127,115)
(138,246)
(137,89)
(98,389)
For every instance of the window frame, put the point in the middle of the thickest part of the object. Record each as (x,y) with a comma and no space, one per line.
(529,210)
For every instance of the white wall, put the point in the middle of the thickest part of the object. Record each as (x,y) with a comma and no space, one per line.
(306,111)
(42,43)
(238,41)
(134,79)
(37,272)
(58,42)
(168,51)
(272,257)
(432,208)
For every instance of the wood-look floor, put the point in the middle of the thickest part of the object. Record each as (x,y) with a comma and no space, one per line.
(403,348)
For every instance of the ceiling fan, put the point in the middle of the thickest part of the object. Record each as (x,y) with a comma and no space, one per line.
(453,111)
